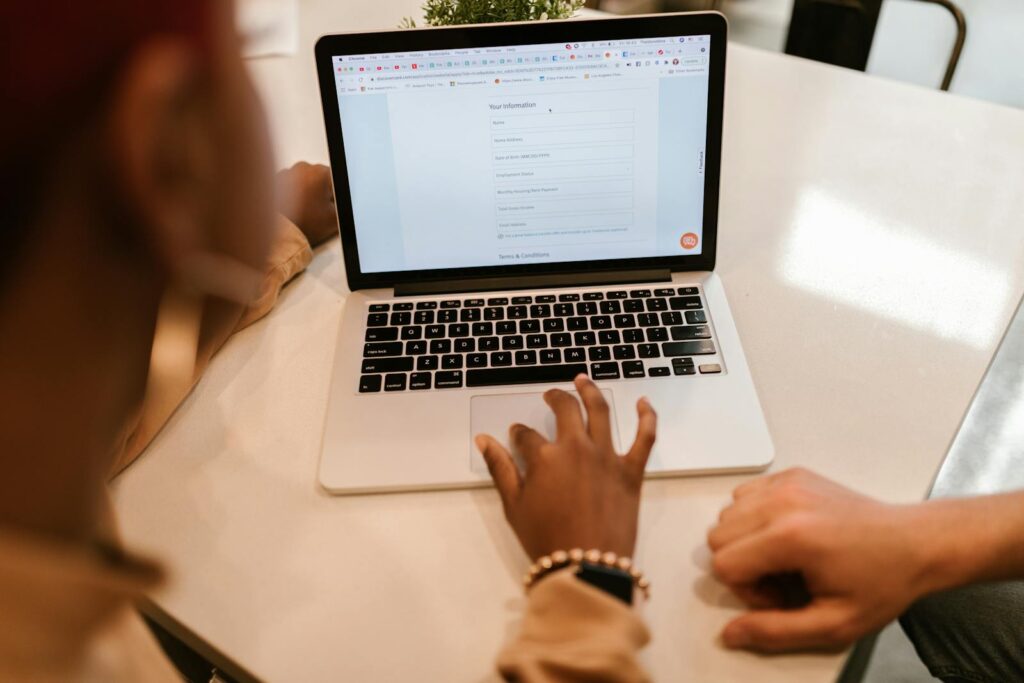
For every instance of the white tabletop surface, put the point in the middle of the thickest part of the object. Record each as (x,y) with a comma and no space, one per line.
(871,242)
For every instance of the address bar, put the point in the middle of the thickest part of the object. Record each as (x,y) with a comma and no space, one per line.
(386,76)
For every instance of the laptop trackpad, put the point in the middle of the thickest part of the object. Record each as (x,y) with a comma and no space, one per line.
(494,414)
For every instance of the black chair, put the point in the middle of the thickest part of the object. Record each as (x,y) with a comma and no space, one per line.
(840,32)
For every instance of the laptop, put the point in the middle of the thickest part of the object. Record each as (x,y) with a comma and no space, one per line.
(519,204)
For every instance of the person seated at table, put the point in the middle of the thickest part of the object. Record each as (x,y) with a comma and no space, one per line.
(138,233)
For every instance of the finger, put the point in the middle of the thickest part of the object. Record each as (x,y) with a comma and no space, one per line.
(502,468)
(568,417)
(742,518)
(822,625)
(646,431)
(757,596)
(598,419)
(753,486)
(527,443)
(758,554)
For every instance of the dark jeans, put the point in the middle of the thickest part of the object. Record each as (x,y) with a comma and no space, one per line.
(971,635)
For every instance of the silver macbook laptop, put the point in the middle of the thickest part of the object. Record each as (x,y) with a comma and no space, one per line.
(519,204)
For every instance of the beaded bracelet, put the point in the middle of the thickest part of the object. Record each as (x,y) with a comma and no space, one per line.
(575,557)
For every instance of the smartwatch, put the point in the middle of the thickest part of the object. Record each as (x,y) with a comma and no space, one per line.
(609,579)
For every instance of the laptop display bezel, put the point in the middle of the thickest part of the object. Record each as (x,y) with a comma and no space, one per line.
(478,36)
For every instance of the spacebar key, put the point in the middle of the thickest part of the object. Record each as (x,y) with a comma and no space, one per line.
(524,375)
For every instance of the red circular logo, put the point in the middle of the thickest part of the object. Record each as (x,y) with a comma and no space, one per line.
(688,241)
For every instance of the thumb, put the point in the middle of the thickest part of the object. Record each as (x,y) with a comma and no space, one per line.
(502,468)
(821,625)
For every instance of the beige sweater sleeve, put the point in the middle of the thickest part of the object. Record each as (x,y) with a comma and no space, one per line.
(574,632)
(289,255)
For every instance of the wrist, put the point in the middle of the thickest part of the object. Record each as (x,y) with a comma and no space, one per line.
(952,546)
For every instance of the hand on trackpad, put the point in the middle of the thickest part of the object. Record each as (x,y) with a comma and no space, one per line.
(494,414)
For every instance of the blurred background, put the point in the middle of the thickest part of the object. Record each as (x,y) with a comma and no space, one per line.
(915,41)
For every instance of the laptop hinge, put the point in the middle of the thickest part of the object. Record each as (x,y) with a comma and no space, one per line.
(613,277)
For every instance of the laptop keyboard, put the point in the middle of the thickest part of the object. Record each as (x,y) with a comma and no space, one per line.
(454,342)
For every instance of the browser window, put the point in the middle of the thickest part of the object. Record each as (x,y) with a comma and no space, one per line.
(526,154)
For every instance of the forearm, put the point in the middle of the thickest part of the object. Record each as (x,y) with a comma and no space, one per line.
(971,540)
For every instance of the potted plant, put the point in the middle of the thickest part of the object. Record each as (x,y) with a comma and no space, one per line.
(452,12)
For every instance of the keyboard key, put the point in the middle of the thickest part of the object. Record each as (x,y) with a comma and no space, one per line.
(415,348)
(374,350)
(369,384)
(577,323)
(512,343)
(584,338)
(506,327)
(517,312)
(526,357)
(633,368)
(659,372)
(684,370)
(618,294)
(545,299)
(451,303)
(696,317)
(476,360)
(633,336)
(473,303)
(604,370)
(665,291)
(470,315)
(448,379)
(687,348)
(395,382)
(669,318)
(493,313)
(599,353)
(640,294)
(682,361)
(633,306)
(657,334)
(371,365)
(710,369)
(528,326)
(379,308)
(412,332)
(575,355)
(540,311)
(624,352)
(554,324)
(423,317)
(524,375)
(441,346)
(458,330)
(483,329)
(549,356)
(400,319)
(564,310)
(680,303)
(600,322)
(561,339)
(426,305)
(624,320)
(609,337)
(686,291)
(380,334)
(610,307)
(536,341)
(427,363)
(498,301)
(522,299)
(586,308)
(568,297)
(433,331)
(690,332)
(419,381)
(448,316)
(657,304)
(465,345)
(501,358)
(451,362)
(377,320)
(405,306)
(647,319)
(649,351)
(488,344)
(593,296)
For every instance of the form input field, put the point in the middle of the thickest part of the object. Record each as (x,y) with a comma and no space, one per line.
(540,207)
(551,120)
(563,155)
(588,136)
(560,189)
(528,174)
(547,224)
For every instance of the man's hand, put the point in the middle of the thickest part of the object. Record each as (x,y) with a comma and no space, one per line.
(306,198)
(857,563)
(577,492)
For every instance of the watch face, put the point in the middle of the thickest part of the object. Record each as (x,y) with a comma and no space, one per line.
(609,579)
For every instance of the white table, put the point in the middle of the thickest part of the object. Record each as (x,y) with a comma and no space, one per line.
(871,244)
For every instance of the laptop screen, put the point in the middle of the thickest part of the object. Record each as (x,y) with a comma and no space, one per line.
(526,154)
